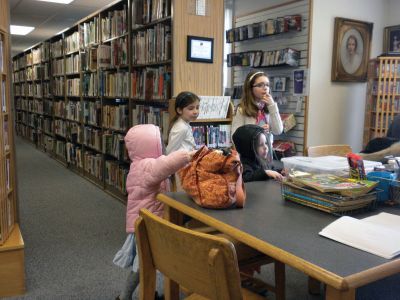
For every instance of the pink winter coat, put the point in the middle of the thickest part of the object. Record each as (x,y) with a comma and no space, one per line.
(149,171)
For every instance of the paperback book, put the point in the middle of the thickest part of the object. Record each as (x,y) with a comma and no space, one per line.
(378,234)
(328,183)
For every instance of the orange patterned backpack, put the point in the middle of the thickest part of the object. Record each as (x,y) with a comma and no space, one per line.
(213,178)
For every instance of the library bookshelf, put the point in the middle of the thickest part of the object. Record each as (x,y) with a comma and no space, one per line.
(383,96)
(113,69)
(12,276)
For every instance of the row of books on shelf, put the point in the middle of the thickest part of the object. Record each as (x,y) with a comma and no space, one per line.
(71,43)
(111,56)
(151,83)
(147,11)
(386,87)
(386,105)
(114,24)
(144,114)
(264,28)
(115,117)
(152,45)
(91,162)
(213,136)
(387,70)
(33,73)
(258,58)
(72,64)
(382,121)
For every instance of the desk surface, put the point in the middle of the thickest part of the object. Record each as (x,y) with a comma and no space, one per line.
(289,232)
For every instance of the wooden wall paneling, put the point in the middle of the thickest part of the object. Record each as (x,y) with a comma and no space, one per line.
(295,40)
(4,16)
(200,78)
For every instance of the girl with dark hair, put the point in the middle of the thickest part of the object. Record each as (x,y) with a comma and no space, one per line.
(180,134)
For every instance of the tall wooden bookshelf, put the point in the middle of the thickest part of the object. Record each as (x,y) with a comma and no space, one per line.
(383,96)
(116,68)
(12,276)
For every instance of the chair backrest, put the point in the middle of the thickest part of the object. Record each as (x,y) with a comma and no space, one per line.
(323,150)
(203,264)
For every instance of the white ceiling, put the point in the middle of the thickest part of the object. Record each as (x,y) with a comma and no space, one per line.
(47,18)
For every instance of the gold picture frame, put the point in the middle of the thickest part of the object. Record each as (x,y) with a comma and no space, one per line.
(351,50)
(391,40)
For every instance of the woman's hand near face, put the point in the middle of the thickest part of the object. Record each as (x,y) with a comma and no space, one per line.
(268,99)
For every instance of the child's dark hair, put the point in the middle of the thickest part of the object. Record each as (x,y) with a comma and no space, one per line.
(182,100)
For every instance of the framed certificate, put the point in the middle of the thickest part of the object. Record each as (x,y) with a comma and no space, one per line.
(200,49)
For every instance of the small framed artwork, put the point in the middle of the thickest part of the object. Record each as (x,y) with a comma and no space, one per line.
(391,40)
(279,84)
(200,49)
(351,50)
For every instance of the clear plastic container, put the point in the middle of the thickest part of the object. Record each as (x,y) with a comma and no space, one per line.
(336,165)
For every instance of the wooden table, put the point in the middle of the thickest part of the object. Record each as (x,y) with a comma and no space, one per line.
(288,232)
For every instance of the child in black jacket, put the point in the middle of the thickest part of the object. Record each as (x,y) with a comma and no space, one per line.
(253,146)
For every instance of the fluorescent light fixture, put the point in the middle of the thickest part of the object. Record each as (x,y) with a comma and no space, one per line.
(58,1)
(20,30)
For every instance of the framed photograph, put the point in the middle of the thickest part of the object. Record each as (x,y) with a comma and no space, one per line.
(279,84)
(391,40)
(200,49)
(351,50)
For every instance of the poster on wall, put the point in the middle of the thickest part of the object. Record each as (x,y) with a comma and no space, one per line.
(299,82)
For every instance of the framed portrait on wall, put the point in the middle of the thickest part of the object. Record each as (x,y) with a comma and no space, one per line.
(351,50)
(279,84)
(391,40)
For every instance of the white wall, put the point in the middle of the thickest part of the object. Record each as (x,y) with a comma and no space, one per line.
(393,17)
(244,7)
(336,110)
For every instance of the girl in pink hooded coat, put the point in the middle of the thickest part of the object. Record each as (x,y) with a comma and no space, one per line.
(148,176)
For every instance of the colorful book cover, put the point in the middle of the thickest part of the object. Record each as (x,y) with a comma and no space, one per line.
(326,183)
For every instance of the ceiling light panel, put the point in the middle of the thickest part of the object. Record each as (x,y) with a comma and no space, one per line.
(20,30)
(57,1)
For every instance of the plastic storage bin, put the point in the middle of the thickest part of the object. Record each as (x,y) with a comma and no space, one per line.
(336,165)
(385,181)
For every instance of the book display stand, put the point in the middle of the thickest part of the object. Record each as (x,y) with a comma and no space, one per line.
(274,40)
(383,96)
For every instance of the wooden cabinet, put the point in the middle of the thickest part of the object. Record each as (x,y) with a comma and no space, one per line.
(12,273)
(8,206)
(383,96)
(115,68)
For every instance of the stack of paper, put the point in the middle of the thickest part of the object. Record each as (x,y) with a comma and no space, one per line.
(379,234)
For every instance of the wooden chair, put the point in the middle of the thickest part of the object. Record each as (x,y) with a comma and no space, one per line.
(202,263)
(249,259)
(323,150)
